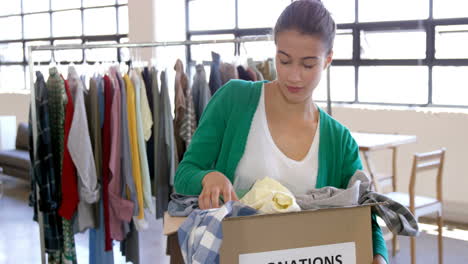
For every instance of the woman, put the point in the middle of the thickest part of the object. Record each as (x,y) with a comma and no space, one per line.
(250,130)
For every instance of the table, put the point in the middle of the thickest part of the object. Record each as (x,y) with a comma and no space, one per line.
(369,142)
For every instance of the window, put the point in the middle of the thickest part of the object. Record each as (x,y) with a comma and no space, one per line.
(258,50)
(249,12)
(342,11)
(202,53)
(450,85)
(54,22)
(450,8)
(343,46)
(341,83)
(393,84)
(451,42)
(10,27)
(394,10)
(211,14)
(393,45)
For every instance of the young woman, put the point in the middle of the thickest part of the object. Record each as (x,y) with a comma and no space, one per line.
(250,130)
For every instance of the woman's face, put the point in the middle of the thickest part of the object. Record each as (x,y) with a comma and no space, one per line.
(300,60)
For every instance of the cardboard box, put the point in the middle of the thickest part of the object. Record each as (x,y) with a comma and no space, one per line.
(325,236)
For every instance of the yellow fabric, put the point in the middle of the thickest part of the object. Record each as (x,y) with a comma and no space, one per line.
(270,196)
(133,143)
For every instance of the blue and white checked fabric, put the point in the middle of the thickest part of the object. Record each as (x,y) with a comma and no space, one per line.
(200,236)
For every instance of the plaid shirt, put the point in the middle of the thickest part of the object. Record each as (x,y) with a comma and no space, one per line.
(43,173)
(200,236)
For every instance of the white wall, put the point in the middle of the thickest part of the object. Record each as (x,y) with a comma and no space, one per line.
(434,129)
(16,105)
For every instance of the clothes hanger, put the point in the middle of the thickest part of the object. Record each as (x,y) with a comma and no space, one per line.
(53,63)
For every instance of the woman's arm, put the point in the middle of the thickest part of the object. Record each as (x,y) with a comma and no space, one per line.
(352,162)
(205,146)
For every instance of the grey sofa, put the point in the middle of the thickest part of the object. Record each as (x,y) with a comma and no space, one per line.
(16,162)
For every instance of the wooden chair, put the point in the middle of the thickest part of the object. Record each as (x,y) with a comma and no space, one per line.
(422,205)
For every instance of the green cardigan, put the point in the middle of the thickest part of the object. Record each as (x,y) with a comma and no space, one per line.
(219,143)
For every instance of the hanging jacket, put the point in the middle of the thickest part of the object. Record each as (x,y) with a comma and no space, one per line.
(215,75)
(201,91)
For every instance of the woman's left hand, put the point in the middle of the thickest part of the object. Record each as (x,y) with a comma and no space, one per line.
(378,259)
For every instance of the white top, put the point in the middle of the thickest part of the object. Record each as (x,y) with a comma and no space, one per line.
(79,142)
(262,158)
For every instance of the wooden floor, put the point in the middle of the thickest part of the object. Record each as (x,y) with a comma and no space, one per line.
(19,236)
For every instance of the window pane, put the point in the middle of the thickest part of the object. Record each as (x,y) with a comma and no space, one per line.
(249,17)
(105,55)
(39,55)
(221,14)
(66,23)
(342,84)
(203,52)
(342,11)
(30,6)
(449,85)
(451,42)
(343,46)
(10,7)
(60,4)
(37,26)
(258,50)
(68,55)
(123,1)
(100,21)
(88,3)
(123,20)
(372,10)
(170,13)
(11,52)
(450,8)
(393,45)
(10,28)
(393,84)
(11,78)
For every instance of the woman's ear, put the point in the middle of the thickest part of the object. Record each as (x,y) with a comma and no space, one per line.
(328,60)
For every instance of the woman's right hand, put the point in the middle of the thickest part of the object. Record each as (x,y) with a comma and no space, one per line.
(215,184)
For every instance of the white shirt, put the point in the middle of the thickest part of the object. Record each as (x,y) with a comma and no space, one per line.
(262,158)
(79,142)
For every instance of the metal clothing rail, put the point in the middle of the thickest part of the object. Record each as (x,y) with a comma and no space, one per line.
(31,49)
(152,44)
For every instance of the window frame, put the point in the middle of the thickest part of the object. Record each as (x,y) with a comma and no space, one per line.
(52,39)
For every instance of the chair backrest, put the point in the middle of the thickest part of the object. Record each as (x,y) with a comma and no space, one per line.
(433,160)
(22,137)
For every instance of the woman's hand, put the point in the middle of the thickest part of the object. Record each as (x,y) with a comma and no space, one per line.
(215,184)
(378,259)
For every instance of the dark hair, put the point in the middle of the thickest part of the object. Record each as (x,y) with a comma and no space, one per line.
(309,17)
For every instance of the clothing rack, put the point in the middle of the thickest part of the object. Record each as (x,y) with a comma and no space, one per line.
(31,49)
